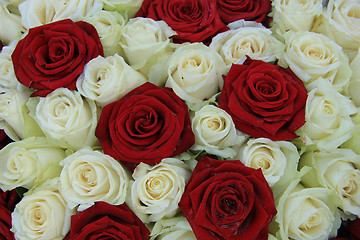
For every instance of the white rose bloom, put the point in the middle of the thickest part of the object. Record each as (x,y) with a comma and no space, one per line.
(66,118)
(127,7)
(338,170)
(42,214)
(307,213)
(253,41)
(195,72)
(341,22)
(146,46)
(39,12)
(176,228)
(354,86)
(106,80)
(295,15)
(312,55)
(11,116)
(10,25)
(327,115)
(7,74)
(354,141)
(277,159)
(157,190)
(108,25)
(29,162)
(89,176)
(215,132)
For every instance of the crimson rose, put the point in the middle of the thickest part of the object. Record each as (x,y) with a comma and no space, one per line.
(54,55)
(227,200)
(9,199)
(264,100)
(249,10)
(146,125)
(193,20)
(5,224)
(106,221)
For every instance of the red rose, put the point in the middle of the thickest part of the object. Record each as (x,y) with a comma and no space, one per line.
(54,55)
(1,45)
(193,20)
(349,230)
(106,221)
(9,199)
(227,200)
(4,139)
(249,10)
(146,125)
(264,100)
(5,224)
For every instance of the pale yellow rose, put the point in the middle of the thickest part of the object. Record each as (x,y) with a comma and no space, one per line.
(176,228)
(11,27)
(7,74)
(126,7)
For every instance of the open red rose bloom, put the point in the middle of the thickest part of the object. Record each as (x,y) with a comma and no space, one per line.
(264,100)
(54,55)
(227,200)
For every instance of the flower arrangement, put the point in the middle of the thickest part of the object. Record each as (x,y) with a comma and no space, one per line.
(191,119)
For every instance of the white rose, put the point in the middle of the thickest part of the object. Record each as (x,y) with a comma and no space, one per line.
(28,163)
(312,55)
(106,80)
(7,74)
(89,176)
(306,213)
(215,132)
(127,7)
(66,118)
(195,72)
(338,170)
(341,22)
(108,25)
(176,228)
(276,159)
(146,46)
(11,115)
(327,115)
(354,141)
(253,41)
(354,86)
(157,190)
(39,12)
(10,25)
(42,214)
(295,15)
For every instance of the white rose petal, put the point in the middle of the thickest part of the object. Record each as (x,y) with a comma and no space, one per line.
(42,215)
(106,80)
(195,72)
(66,118)
(10,25)
(215,132)
(157,190)
(126,7)
(7,74)
(177,228)
(89,176)
(29,162)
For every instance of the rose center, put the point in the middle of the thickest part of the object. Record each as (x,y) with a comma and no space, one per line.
(88,176)
(38,217)
(354,12)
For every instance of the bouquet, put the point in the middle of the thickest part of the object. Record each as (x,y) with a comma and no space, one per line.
(191,119)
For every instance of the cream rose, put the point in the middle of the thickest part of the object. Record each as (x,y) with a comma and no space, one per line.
(39,12)
(66,118)
(146,46)
(354,86)
(195,72)
(10,25)
(126,7)
(42,214)
(251,39)
(157,190)
(338,170)
(341,22)
(354,141)
(11,112)
(7,74)
(108,25)
(312,55)
(89,176)
(28,163)
(295,15)
(306,213)
(176,228)
(106,80)
(215,132)
(276,159)
(328,117)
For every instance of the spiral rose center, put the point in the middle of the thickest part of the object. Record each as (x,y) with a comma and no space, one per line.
(312,221)
(354,12)
(88,176)
(158,185)
(38,217)
(351,185)
(262,160)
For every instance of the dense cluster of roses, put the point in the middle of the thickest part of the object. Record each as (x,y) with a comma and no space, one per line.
(173,119)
